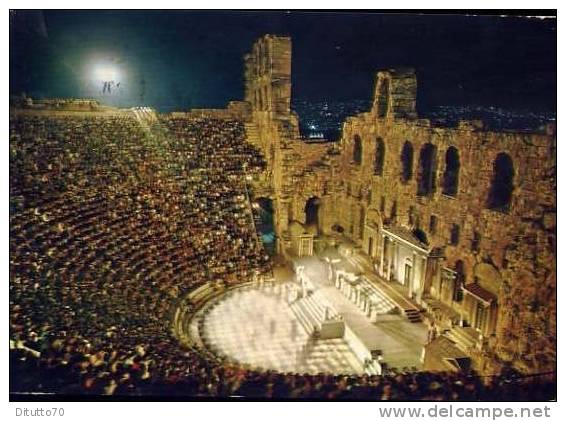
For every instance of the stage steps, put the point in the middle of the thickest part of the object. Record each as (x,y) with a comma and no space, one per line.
(319,350)
(311,311)
(465,338)
(414,316)
(408,308)
(385,304)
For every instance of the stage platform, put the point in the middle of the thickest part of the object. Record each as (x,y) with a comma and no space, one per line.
(256,326)
(262,325)
(400,341)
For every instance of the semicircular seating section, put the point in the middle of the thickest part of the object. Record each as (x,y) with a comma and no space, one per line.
(110,225)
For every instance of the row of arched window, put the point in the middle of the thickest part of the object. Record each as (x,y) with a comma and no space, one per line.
(501,189)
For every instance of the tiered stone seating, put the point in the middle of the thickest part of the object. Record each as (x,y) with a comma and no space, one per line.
(110,226)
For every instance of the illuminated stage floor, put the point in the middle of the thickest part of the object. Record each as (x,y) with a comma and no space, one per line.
(400,340)
(257,326)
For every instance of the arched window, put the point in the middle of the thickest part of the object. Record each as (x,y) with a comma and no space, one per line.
(312,208)
(451,173)
(421,235)
(407,162)
(433,224)
(357,153)
(427,170)
(455,234)
(501,190)
(379,157)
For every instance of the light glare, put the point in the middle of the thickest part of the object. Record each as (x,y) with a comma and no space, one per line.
(106,72)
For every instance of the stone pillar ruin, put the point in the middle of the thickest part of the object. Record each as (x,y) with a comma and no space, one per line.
(268,75)
(395,94)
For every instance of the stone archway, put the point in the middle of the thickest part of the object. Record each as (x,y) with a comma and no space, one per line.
(407,162)
(357,151)
(312,212)
(264,219)
(379,159)
(426,181)
(451,172)
(501,190)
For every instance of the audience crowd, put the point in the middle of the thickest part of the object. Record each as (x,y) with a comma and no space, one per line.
(111,224)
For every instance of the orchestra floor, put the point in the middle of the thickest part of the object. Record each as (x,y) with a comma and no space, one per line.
(256,326)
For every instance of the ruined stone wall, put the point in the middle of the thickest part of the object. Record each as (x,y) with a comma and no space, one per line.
(268,75)
(520,245)
(511,252)
(236,110)
(290,161)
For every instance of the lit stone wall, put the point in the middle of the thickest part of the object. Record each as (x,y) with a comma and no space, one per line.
(517,245)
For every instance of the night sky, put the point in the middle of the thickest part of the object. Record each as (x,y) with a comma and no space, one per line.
(181,59)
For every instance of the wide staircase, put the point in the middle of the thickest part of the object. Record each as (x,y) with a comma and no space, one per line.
(413,315)
(310,311)
(407,308)
(318,354)
(381,302)
(465,338)
(146,117)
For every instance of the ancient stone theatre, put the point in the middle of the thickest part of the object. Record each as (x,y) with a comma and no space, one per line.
(407,255)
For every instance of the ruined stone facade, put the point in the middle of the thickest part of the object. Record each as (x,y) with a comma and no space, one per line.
(462,220)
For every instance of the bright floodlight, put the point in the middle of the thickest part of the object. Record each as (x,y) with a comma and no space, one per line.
(106,72)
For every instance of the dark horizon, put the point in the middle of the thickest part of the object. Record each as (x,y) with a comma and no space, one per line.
(185,59)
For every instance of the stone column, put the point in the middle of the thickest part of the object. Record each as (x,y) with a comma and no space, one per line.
(330,272)
(311,246)
(389,257)
(383,238)
(422,279)
(397,252)
(413,272)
